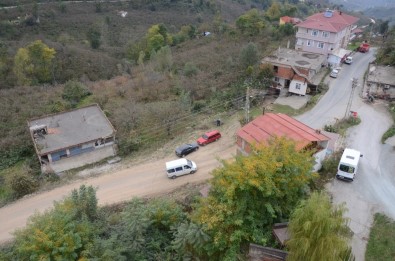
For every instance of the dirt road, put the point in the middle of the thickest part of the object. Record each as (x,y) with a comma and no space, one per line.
(141,180)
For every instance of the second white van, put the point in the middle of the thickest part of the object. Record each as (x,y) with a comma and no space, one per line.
(180,167)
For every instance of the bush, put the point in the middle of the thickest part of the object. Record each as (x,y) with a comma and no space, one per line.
(190,69)
(74,92)
(389,133)
(22,184)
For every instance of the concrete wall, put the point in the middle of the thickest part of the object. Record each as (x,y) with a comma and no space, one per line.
(80,160)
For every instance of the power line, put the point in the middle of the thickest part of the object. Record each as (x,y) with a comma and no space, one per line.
(189,115)
(155,131)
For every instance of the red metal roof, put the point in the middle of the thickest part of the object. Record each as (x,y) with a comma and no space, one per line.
(336,23)
(270,125)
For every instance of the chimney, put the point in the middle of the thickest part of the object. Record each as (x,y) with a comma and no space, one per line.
(340,12)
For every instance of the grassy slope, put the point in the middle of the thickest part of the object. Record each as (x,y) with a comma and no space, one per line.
(381,244)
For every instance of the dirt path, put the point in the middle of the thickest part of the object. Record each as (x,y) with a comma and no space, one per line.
(144,179)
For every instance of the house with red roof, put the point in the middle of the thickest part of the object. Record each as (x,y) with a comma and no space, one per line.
(270,125)
(326,33)
(289,20)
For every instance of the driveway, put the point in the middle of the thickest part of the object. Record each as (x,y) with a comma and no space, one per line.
(373,190)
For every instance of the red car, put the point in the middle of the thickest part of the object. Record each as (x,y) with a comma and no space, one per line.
(209,137)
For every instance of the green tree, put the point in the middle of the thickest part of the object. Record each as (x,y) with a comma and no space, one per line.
(247,196)
(189,241)
(74,92)
(266,75)
(63,233)
(318,231)
(386,53)
(164,59)
(94,38)
(251,22)
(249,55)
(157,37)
(146,229)
(274,11)
(33,64)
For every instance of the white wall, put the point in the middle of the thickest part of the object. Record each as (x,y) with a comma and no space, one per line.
(301,87)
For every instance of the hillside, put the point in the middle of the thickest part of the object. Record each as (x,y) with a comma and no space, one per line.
(149,95)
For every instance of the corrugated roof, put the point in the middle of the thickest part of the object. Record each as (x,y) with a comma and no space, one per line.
(336,23)
(270,125)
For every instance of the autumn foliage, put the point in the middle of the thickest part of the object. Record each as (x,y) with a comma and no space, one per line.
(247,196)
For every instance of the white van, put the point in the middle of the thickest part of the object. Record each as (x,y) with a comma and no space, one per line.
(180,167)
(348,165)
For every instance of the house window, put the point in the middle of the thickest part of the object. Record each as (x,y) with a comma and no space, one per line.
(275,69)
(308,42)
(314,33)
(276,79)
(299,42)
(298,86)
(320,45)
(325,34)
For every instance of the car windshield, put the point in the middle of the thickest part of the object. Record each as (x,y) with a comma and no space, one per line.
(189,163)
(205,137)
(346,168)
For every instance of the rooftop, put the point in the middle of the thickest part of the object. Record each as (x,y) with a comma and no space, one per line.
(269,125)
(382,74)
(70,128)
(330,21)
(295,58)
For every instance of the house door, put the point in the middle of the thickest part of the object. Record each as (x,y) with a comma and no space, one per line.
(287,83)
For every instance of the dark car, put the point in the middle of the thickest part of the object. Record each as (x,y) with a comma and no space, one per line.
(209,137)
(185,149)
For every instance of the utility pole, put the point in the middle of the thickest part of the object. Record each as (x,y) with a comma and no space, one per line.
(353,87)
(247,106)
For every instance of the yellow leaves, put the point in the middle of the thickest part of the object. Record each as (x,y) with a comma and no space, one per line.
(33,63)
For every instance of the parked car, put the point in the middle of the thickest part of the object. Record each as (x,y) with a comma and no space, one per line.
(348,60)
(209,137)
(185,149)
(334,73)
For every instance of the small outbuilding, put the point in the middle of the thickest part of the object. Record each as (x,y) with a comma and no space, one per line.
(381,81)
(72,139)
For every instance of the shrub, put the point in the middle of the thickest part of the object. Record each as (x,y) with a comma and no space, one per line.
(190,69)
(94,36)
(22,184)
(74,92)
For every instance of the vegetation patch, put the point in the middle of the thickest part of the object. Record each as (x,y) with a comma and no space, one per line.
(381,244)
(391,131)
(342,125)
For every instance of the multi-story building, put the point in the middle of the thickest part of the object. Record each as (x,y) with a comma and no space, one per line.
(326,33)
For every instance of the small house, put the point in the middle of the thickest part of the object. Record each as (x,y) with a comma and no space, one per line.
(297,71)
(270,125)
(72,139)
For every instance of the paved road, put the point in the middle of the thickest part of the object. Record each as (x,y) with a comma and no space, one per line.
(374,187)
